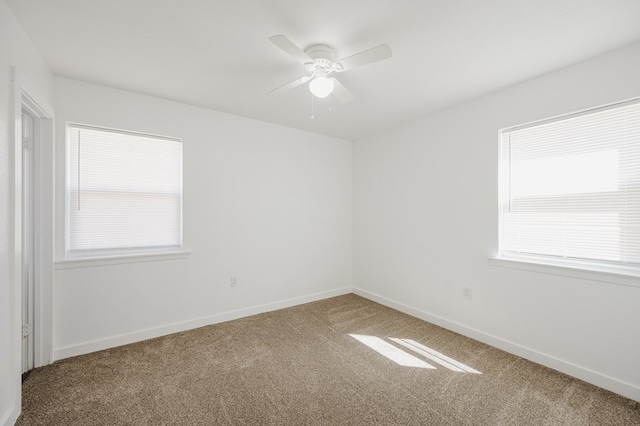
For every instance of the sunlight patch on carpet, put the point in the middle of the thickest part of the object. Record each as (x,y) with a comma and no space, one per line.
(394,353)
(406,359)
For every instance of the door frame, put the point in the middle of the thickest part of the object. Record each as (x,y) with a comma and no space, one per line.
(24,97)
(29,142)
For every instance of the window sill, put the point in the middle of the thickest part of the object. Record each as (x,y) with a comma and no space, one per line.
(90,262)
(627,278)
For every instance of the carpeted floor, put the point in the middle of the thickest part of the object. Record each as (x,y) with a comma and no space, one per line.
(301,366)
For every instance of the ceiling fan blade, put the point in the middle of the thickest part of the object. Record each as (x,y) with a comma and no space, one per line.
(365,57)
(294,51)
(291,85)
(340,92)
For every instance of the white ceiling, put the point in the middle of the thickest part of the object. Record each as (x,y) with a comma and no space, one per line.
(216,53)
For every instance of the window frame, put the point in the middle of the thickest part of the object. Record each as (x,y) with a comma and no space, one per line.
(594,270)
(100,257)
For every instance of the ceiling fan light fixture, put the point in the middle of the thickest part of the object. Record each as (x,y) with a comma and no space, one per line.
(321,86)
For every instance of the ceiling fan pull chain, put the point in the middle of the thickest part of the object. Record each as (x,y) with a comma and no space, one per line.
(312,116)
(329,107)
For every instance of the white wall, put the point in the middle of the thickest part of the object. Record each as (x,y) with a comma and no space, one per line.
(264,203)
(425,223)
(15,51)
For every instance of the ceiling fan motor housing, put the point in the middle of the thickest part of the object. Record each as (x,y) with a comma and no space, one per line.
(323,56)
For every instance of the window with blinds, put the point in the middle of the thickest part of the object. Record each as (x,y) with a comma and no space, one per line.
(570,189)
(124,192)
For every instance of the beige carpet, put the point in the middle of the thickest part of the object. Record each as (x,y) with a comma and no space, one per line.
(300,366)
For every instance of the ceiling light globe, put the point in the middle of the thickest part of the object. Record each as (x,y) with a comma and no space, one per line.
(321,86)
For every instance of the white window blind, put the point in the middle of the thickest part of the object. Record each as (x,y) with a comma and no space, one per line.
(570,188)
(124,191)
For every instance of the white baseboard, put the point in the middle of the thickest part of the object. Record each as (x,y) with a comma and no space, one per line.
(601,380)
(10,418)
(150,333)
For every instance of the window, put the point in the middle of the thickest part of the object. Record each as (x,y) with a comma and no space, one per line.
(570,190)
(123,191)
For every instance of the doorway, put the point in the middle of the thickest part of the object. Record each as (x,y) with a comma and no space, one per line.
(28,241)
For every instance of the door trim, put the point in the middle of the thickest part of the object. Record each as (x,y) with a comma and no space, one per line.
(27,98)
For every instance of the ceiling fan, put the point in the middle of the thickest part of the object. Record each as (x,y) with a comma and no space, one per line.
(320,62)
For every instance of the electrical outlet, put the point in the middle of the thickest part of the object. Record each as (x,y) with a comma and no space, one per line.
(234,281)
(466,293)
